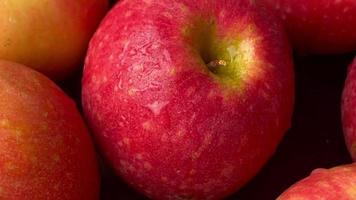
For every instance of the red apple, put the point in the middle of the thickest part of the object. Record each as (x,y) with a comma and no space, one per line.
(319,26)
(349,110)
(188,99)
(338,183)
(49,36)
(45,149)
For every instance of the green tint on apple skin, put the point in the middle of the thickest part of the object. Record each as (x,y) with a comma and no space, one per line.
(224,58)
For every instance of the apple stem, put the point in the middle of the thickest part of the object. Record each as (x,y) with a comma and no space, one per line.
(215,64)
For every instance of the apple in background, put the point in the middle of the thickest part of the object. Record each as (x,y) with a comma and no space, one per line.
(318,26)
(188,99)
(45,148)
(338,183)
(349,110)
(50,36)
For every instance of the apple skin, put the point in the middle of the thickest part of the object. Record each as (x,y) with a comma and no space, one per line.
(337,183)
(169,126)
(49,36)
(348,109)
(45,148)
(318,26)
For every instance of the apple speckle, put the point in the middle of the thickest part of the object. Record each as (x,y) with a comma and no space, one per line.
(180,133)
(167,15)
(183,186)
(123,163)
(172,72)
(11,20)
(128,14)
(4,123)
(126,141)
(190,91)
(111,57)
(100,45)
(195,156)
(10,166)
(147,165)
(139,156)
(105,79)
(227,171)
(157,106)
(148,2)
(164,137)
(131,91)
(283,16)
(106,37)
(346,9)
(34,159)
(164,179)
(18,132)
(146,125)
(56,158)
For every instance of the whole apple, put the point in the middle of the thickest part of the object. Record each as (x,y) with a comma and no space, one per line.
(45,149)
(318,26)
(338,183)
(50,36)
(188,99)
(349,110)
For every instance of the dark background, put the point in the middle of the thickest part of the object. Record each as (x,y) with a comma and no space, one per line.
(314,140)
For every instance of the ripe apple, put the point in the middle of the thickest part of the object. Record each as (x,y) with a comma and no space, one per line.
(49,36)
(318,26)
(349,110)
(45,148)
(188,99)
(338,183)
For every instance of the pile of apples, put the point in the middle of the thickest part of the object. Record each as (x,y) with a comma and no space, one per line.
(184,99)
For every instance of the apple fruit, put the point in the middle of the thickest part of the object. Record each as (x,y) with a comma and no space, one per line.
(338,183)
(188,99)
(49,36)
(45,148)
(348,109)
(318,26)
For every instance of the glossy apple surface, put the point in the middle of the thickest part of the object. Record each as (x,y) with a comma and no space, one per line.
(49,36)
(188,99)
(318,26)
(338,183)
(45,148)
(349,110)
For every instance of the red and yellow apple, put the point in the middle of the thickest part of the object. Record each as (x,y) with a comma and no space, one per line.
(338,183)
(49,36)
(188,99)
(45,148)
(349,110)
(318,26)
